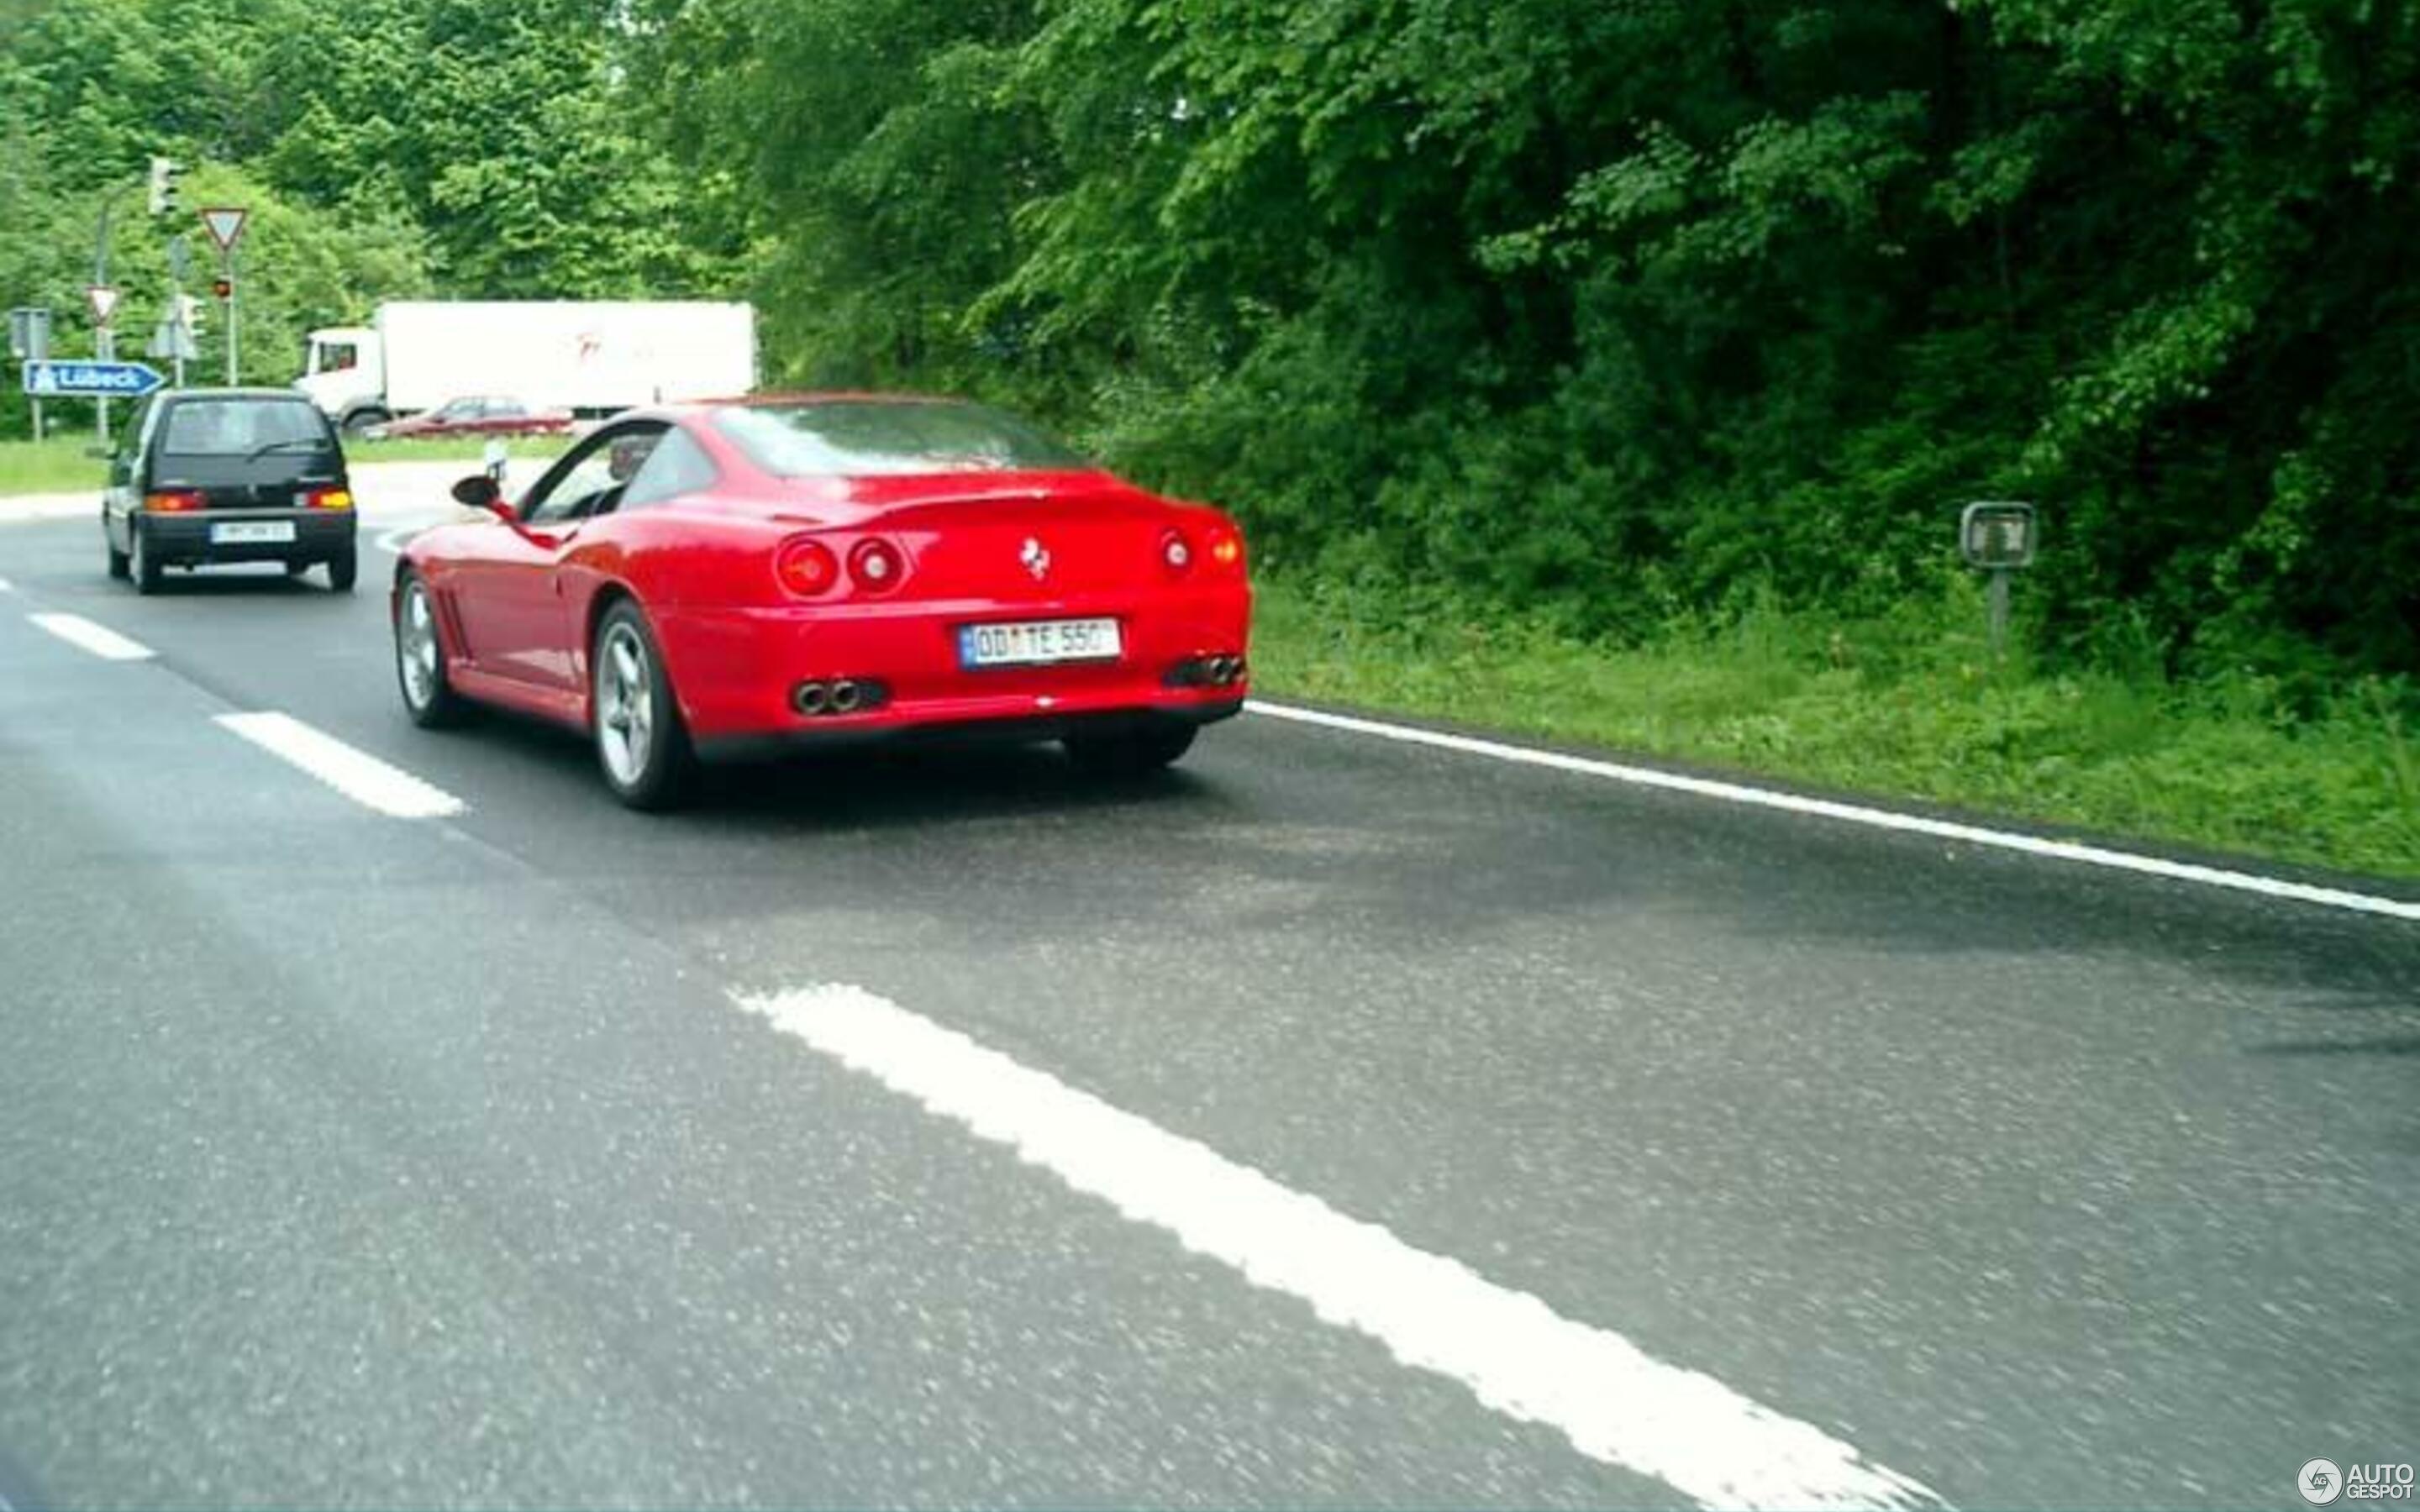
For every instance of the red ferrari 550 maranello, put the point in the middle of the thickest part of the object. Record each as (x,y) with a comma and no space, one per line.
(742,577)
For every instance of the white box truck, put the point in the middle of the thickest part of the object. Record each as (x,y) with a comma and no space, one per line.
(590,357)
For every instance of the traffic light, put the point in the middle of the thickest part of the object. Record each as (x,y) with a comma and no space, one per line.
(164,174)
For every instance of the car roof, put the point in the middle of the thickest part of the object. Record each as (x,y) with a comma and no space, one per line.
(191,395)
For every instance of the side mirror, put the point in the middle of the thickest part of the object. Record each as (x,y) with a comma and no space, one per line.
(480,491)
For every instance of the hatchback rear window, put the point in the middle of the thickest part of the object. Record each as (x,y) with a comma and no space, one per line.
(856,438)
(241,427)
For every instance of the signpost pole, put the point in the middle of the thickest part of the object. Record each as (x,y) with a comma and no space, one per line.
(225,223)
(1998,536)
(179,261)
(104,347)
(229,266)
(38,349)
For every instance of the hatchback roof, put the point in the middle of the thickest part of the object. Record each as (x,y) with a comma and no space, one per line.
(167,395)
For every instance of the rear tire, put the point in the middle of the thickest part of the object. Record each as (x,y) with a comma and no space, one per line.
(642,749)
(429,698)
(343,569)
(140,563)
(1130,753)
(118,566)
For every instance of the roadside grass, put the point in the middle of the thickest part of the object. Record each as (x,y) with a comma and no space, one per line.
(56,464)
(1908,706)
(468,451)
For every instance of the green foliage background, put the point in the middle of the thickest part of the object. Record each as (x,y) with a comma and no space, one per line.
(1616,312)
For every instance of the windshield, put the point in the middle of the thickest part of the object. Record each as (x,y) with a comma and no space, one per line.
(865,437)
(240,427)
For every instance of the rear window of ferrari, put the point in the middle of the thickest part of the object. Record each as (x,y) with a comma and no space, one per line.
(852,438)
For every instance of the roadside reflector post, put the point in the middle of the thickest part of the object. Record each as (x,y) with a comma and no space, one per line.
(1997,535)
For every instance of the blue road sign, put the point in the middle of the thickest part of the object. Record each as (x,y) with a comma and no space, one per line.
(105,380)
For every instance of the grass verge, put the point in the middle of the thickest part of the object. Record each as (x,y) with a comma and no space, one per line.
(1910,706)
(60,465)
(453,449)
(55,464)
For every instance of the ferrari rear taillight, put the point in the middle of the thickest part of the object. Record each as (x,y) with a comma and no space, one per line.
(807,568)
(1175,551)
(876,567)
(1226,547)
(172,501)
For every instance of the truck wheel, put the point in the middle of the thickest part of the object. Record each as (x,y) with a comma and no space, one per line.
(362,420)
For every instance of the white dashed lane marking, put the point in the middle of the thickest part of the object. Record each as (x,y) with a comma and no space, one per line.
(1616,1403)
(86,635)
(356,773)
(1850,812)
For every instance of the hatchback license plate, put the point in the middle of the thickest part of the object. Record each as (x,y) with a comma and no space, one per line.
(251,531)
(1036,642)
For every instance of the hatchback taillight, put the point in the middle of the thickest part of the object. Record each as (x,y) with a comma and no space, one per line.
(172,501)
(330,499)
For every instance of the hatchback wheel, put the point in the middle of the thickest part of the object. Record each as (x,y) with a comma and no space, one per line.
(140,563)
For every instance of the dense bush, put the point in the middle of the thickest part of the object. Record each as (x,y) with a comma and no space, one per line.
(1607,307)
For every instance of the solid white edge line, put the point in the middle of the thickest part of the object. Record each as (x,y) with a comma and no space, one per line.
(1616,1403)
(86,634)
(355,773)
(1850,812)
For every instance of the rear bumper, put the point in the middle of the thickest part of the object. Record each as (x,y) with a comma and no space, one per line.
(842,734)
(737,671)
(186,539)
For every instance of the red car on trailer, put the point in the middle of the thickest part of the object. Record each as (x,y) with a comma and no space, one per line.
(744,577)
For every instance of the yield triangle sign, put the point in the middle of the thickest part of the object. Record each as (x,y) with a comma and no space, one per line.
(224,226)
(104,303)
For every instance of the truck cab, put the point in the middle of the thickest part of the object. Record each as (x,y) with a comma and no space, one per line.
(344,373)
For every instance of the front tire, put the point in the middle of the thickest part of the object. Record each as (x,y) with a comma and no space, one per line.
(1129,753)
(429,698)
(640,747)
(141,565)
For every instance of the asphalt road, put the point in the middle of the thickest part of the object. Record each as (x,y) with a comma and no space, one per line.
(351,1160)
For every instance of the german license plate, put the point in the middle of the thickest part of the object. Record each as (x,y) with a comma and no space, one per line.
(1038,642)
(251,531)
